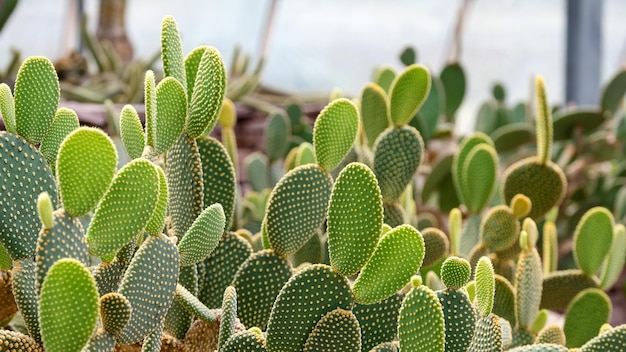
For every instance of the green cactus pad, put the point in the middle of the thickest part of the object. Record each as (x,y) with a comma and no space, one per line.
(397,257)
(192,61)
(302,302)
(126,208)
(193,305)
(552,334)
(421,321)
(460,159)
(334,132)
(149,302)
(277,131)
(592,239)
(203,235)
(587,312)
(560,287)
(393,214)
(218,176)
(407,93)
(66,239)
(229,315)
(255,165)
(453,79)
(6,263)
(24,277)
(152,342)
(131,132)
(397,154)
(384,76)
(470,234)
(311,252)
(479,177)
(611,340)
(245,341)
(37,95)
(150,103)
(114,311)
(374,112)
(504,300)
(460,319)
(487,335)
(297,206)
(184,184)
(338,330)
(512,136)
(543,347)
(171,51)
(378,321)
(306,155)
(81,191)
(178,319)
(455,272)
(101,341)
(616,258)
(108,276)
(544,184)
(65,122)
(499,228)
(436,246)
(385,347)
(485,286)
(24,175)
(68,290)
(355,217)
(7,108)
(171,111)
(528,285)
(566,121)
(258,282)
(217,271)
(208,94)
(157,222)
(14,341)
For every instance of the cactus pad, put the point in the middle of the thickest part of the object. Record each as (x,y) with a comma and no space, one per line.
(436,246)
(453,79)
(543,347)
(150,103)
(421,321)
(16,341)
(229,315)
(114,311)
(485,286)
(552,334)
(65,122)
(157,222)
(171,111)
(334,132)
(616,258)
(101,341)
(203,235)
(460,319)
(108,276)
(504,300)
(587,312)
(131,132)
(171,51)
(7,108)
(192,61)
(499,228)
(193,305)
(407,93)
(611,340)
(208,93)
(393,214)
(23,280)
(592,239)
(178,319)
(455,272)
(487,335)
(245,341)
(528,285)
(277,132)
(560,287)
(373,112)
(378,321)
(338,330)
(480,170)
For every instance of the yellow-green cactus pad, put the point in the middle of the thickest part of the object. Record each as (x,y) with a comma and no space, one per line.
(184,183)
(338,330)
(552,334)
(334,132)
(193,305)
(592,239)
(544,184)
(24,174)
(7,108)
(455,272)
(178,319)
(24,277)
(68,309)
(66,239)
(460,158)
(355,217)
(65,122)
(407,93)
(150,103)
(192,61)
(436,246)
(485,286)
(277,131)
(616,258)
(560,287)
(374,113)
(460,319)
(14,341)
(611,340)
(203,235)
(171,51)
(6,263)
(479,171)
(218,176)
(149,302)
(397,257)
(114,311)
(101,341)
(302,302)
(258,282)
(487,335)
(208,94)
(245,341)
(512,136)
(542,347)
(397,154)
(131,132)
(421,321)
(37,95)
(587,312)
(543,122)
(528,286)
(171,112)
(393,214)
(384,76)
(297,207)
(306,155)
(453,79)
(229,315)
(126,208)
(378,321)
(45,210)
(108,276)
(504,300)
(80,191)
(157,222)
(499,228)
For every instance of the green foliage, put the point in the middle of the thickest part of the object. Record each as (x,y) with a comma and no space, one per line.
(616,258)
(384,77)
(485,287)
(334,132)
(474,170)
(453,79)
(171,51)
(203,235)
(229,314)
(560,287)
(65,122)
(7,108)
(460,318)
(150,104)
(407,93)
(587,312)
(436,246)
(613,93)
(192,61)
(528,285)
(552,334)
(338,330)
(131,132)
(504,300)
(592,239)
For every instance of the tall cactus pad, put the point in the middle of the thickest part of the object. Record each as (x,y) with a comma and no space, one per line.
(203,235)
(81,191)
(487,335)
(208,93)
(65,122)
(479,175)
(397,154)
(115,312)
(184,183)
(229,316)
(126,208)
(378,321)
(68,291)
(460,319)
(485,286)
(338,330)
(355,218)
(421,321)
(37,95)
(178,319)
(544,184)
(11,341)
(157,222)
(560,287)
(171,112)
(150,103)
(461,157)
(245,341)
(152,342)
(611,340)
(504,300)
(374,112)
(7,108)
(407,93)
(616,258)
(24,279)
(131,132)
(149,302)
(66,239)
(297,207)
(398,256)
(589,310)
(218,176)
(172,51)
(24,174)
(258,282)
(192,61)
(528,284)
(499,228)
(455,272)
(436,246)
(334,132)
(102,341)
(301,303)
(276,136)
(544,122)
(592,239)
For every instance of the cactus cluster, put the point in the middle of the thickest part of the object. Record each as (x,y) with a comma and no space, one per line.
(326,253)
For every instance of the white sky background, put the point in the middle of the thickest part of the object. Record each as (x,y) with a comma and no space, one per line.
(317,45)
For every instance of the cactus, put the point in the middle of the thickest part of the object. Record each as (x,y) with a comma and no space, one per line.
(587,312)
(245,341)
(453,80)
(436,246)
(418,331)
(378,321)
(338,330)
(207,93)
(407,93)
(374,115)
(592,239)
(334,132)
(65,122)
(131,132)
(7,108)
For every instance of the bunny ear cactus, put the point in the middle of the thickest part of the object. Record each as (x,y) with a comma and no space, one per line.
(560,287)
(24,281)
(203,235)
(170,114)
(208,93)
(436,246)
(592,239)
(499,228)
(616,258)
(131,132)
(587,312)
(277,132)
(488,332)
(378,321)
(171,51)
(611,340)
(528,284)
(552,334)
(65,122)
(407,93)
(334,132)
(115,312)
(374,112)
(7,108)
(338,330)
(229,315)
(247,341)
(421,320)
(453,80)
